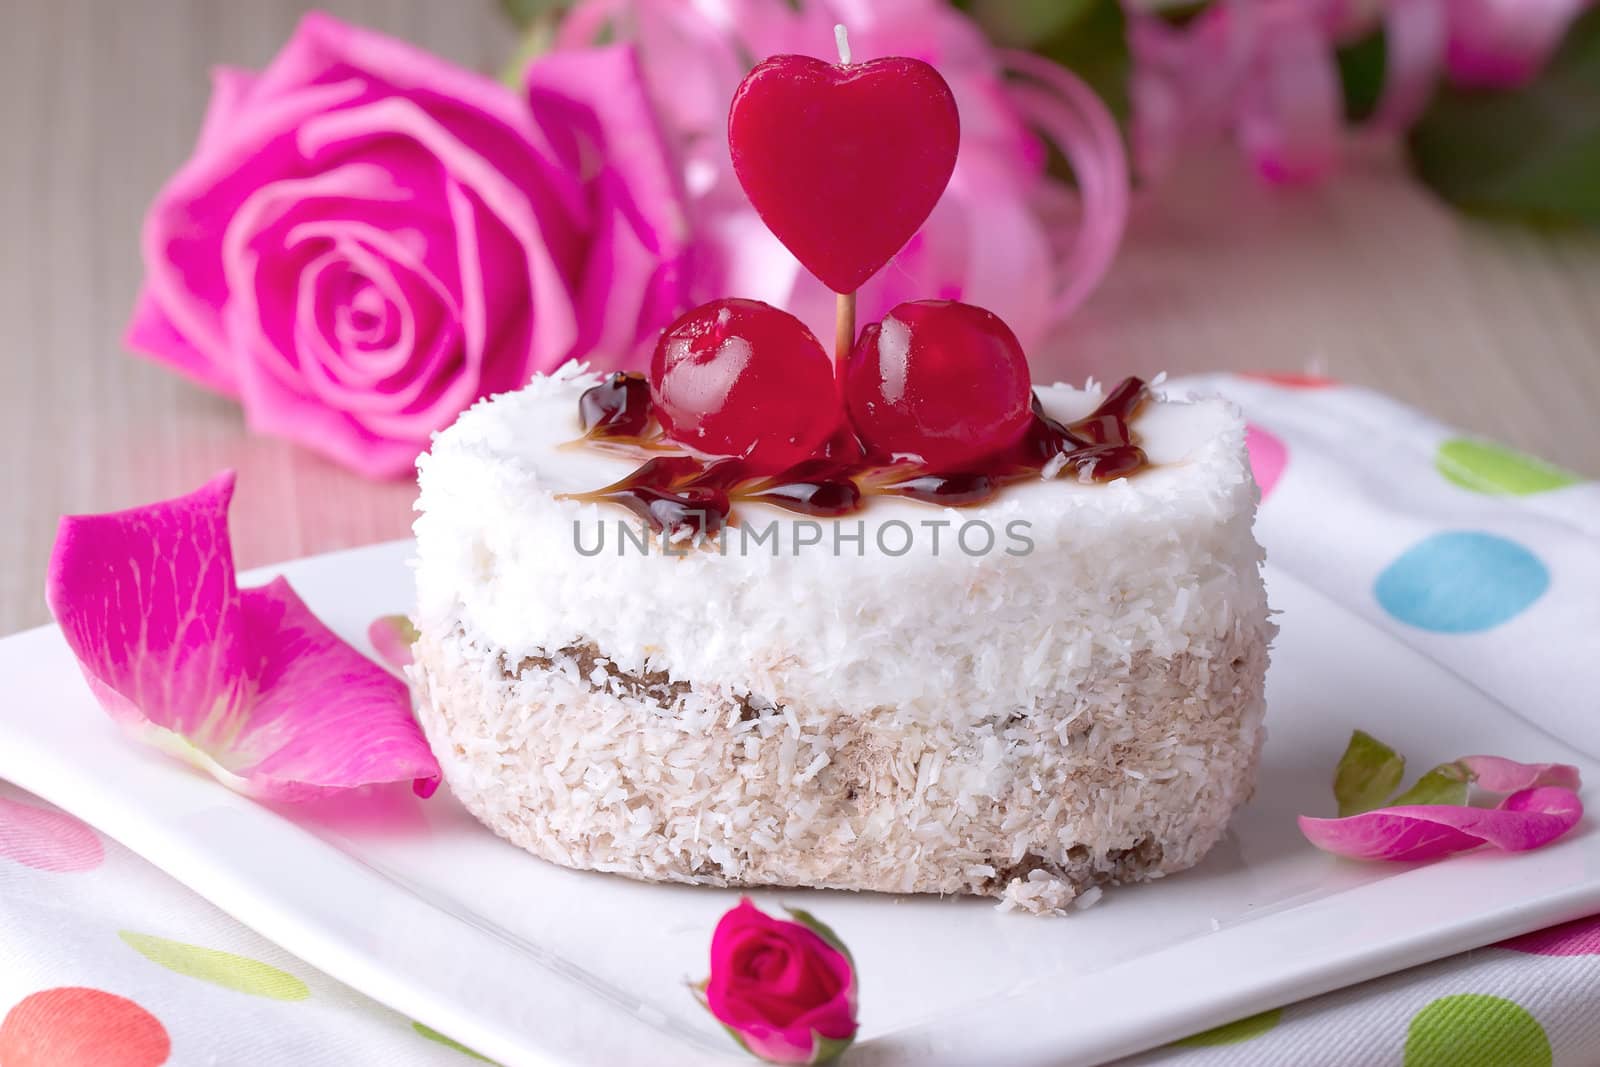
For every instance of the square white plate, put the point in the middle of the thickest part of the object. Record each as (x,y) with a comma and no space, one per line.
(532,964)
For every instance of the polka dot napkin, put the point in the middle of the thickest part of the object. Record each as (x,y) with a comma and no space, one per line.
(1528,1002)
(1483,559)
(107,962)
(110,963)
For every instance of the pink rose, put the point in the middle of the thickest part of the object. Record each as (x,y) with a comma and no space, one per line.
(786,990)
(368,239)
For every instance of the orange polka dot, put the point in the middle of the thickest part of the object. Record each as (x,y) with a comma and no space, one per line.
(77,1027)
(1289,380)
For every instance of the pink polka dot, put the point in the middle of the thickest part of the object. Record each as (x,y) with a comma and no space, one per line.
(77,1027)
(1288,380)
(1268,457)
(47,840)
(1580,937)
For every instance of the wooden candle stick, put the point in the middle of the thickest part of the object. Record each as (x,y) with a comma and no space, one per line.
(844,328)
(844,307)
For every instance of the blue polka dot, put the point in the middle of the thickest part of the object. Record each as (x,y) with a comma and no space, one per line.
(1461,582)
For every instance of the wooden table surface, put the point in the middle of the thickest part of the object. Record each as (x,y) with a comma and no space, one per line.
(1490,327)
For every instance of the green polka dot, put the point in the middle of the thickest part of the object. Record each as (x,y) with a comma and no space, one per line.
(1485,467)
(239,973)
(433,1035)
(1236,1031)
(1474,1030)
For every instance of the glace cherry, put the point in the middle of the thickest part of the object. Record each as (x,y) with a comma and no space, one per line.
(742,378)
(940,381)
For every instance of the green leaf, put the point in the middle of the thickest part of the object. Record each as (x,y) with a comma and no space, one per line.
(822,930)
(1088,37)
(1445,784)
(533,41)
(1368,772)
(1025,23)
(1363,68)
(698,991)
(404,629)
(524,13)
(1531,154)
(1095,47)
(828,1049)
(1181,12)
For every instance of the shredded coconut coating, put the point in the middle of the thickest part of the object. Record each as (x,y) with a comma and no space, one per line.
(1027,727)
(1136,777)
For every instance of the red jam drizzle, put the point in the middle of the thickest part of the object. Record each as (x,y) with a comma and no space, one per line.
(618,407)
(697,494)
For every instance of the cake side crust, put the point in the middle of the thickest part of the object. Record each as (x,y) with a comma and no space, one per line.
(587,765)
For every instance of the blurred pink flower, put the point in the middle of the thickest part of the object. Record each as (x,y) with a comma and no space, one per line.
(1006,236)
(1266,71)
(368,239)
(1498,44)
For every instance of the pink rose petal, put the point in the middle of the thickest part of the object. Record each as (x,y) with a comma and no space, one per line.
(325,716)
(392,637)
(1415,37)
(1499,775)
(776,1045)
(146,599)
(150,332)
(246,684)
(230,92)
(1290,116)
(1501,44)
(595,105)
(1526,819)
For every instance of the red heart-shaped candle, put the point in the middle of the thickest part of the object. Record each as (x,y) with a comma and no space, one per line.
(843,163)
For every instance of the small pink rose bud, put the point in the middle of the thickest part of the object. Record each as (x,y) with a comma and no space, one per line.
(784,990)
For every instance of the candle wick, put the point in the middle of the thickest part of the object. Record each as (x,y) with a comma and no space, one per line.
(841,37)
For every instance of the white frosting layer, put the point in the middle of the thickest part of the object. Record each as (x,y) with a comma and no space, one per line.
(1161,564)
